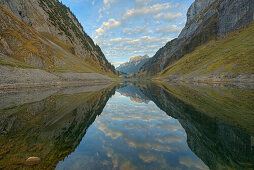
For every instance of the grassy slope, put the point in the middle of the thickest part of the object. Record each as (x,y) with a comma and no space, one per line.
(26,42)
(233,54)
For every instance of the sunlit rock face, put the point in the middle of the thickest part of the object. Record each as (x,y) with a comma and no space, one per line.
(47,128)
(133,65)
(206,20)
(196,7)
(46,34)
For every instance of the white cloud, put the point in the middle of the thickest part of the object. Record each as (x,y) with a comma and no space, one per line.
(109,1)
(107,26)
(168,16)
(119,39)
(112,23)
(144,2)
(117,48)
(146,10)
(99,31)
(136,31)
(170,29)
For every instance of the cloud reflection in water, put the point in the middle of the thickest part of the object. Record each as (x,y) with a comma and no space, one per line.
(131,135)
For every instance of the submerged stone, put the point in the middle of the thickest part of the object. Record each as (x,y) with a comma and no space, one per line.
(33,161)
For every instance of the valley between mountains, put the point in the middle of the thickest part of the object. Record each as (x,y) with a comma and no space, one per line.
(43,44)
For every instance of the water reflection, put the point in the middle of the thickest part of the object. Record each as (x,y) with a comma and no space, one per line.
(219,121)
(47,123)
(143,126)
(130,135)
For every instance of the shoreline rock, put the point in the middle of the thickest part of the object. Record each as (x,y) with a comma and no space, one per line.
(14,78)
(33,161)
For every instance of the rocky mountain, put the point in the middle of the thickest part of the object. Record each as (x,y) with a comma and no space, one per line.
(45,35)
(133,65)
(209,40)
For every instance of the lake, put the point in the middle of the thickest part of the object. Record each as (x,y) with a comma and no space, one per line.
(131,125)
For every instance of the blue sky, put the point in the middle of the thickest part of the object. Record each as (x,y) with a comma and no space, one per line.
(128,28)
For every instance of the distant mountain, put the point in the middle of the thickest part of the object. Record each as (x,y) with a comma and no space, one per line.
(134,92)
(216,44)
(45,35)
(133,65)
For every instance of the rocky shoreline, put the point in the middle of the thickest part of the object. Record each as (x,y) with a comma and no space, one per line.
(212,79)
(15,78)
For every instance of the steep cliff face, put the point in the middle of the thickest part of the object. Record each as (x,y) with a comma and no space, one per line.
(207,20)
(46,34)
(133,65)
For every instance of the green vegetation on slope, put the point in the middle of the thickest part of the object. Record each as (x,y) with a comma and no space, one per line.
(232,54)
(6,61)
(27,48)
(60,18)
(58,15)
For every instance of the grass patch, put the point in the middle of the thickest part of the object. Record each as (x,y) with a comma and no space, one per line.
(233,54)
(46,51)
(6,61)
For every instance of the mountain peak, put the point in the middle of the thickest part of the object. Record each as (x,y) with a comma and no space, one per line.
(138,58)
(133,65)
(207,20)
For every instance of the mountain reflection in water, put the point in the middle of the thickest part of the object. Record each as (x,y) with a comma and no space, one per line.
(143,126)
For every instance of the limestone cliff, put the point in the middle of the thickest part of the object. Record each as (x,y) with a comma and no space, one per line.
(45,34)
(133,65)
(207,20)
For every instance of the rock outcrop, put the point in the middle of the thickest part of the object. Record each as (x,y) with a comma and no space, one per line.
(133,65)
(207,20)
(46,35)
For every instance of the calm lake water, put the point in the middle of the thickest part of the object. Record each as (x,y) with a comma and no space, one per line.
(128,126)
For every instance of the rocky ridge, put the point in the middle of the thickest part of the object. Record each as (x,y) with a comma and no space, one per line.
(207,20)
(133,65)
(46,35)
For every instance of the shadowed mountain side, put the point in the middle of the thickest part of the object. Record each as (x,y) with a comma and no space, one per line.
(46,34)
(50,128)
(214,134)
(42,43)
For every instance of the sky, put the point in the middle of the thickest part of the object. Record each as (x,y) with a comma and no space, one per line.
(128,28)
